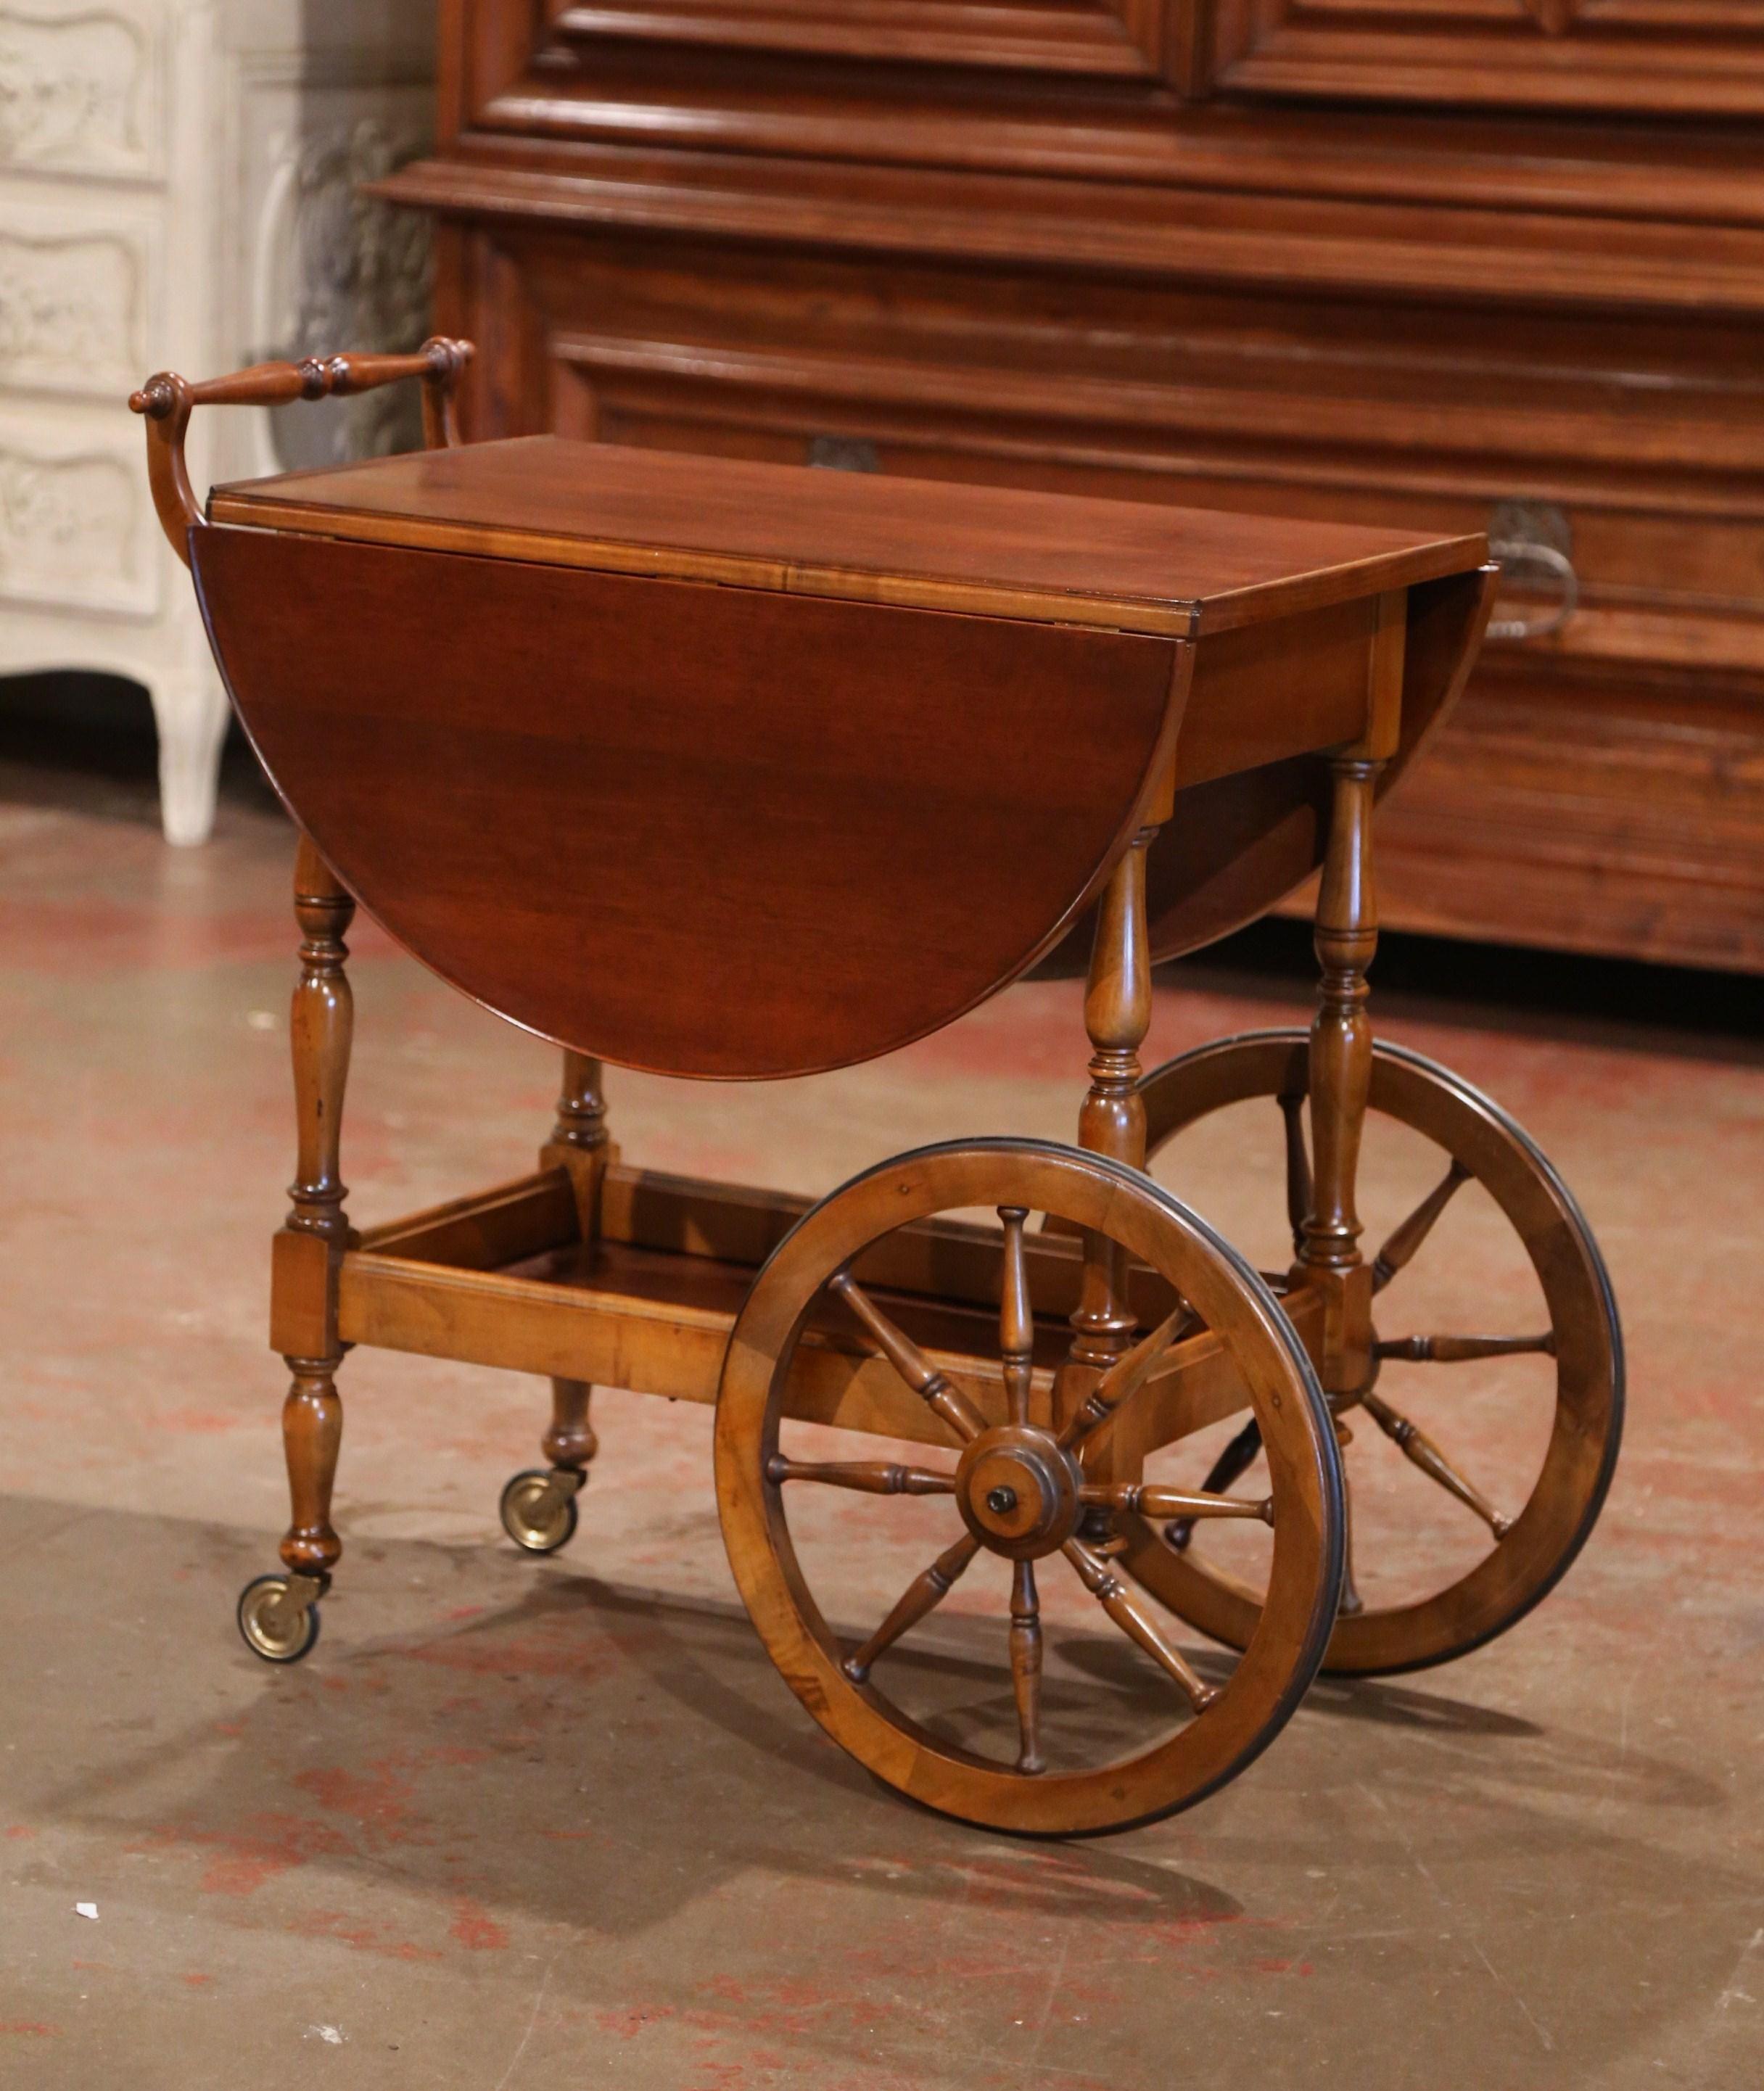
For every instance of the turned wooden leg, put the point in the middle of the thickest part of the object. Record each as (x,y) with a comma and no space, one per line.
(570,1441)
(1347,938)
(276,1613)
(321,1031)
(581,1123)
(1111,1121)
(538,1507)
(312,1433)
(581,1133)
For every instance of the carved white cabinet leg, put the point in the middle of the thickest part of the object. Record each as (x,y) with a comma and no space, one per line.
(177,191)
(191,716)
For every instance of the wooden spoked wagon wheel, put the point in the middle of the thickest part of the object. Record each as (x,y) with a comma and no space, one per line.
(1536,1520)
(1020,1485)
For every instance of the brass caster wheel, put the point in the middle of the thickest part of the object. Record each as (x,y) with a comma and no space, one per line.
(538,1508)
(1044,1695)
(1478,1458)
(279,1615)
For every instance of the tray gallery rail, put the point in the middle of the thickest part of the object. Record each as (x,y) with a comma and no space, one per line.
(734,770)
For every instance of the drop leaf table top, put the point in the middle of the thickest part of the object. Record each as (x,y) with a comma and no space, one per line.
(721,768)
(1125,565)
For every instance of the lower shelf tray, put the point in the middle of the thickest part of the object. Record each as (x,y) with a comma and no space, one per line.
(505,1279)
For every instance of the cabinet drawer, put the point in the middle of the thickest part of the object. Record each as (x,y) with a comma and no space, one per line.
(86,89)
(1682,57)
(79,276)
(1641,448)
(1600,790)
(77,530)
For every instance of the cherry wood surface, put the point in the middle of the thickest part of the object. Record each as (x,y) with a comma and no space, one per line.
(993,550)
(769,831)
(728,813)
(704,830)
(1545,1513)
(1039,1515)
(1402,265)
(1240,840)
(776,829)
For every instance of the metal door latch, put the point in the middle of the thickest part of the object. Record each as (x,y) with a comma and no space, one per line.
(1534,539)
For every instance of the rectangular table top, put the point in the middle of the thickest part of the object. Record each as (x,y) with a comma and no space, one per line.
(930,544)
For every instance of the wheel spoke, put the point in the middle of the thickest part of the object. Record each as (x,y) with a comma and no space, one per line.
(1135,1621)
(1128,1374)
(1236,1460)
(1298,1167)
(1421,1450)
(1406,1239)
(1026,1666)
(1016,1316)
(1148,1499)
(924,1594)
(873,1477)
(1464,1350)
(938,1393)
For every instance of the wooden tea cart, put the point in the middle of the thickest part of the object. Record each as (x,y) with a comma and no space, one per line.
(733,770)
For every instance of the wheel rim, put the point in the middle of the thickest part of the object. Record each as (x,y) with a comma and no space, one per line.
(891,1741)
(534,1516)
(1541,1538)
(268,1629)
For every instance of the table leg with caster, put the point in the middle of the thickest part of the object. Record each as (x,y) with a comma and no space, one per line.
(538,1507)
(278,1615)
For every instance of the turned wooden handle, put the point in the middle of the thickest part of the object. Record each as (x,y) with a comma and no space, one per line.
(165,402)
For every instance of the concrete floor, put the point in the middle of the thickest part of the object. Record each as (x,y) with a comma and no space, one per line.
(520,1824)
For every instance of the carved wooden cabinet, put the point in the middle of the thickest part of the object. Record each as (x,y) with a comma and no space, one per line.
(1444,264)
(178,186)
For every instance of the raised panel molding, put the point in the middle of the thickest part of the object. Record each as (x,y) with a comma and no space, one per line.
(1117,39)
(1670,56)
(1492,248)
(138,138)
(69,311)
(1276,296)
(78,88)
(73,529)
(1671,571)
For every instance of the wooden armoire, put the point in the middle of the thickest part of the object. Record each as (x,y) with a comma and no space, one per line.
(1450,264)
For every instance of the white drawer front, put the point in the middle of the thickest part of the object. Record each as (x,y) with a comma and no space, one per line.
(77,282)
(77,528)
(82,88)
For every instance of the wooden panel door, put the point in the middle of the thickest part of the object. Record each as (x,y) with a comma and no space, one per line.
(1121,39)
(1682,57)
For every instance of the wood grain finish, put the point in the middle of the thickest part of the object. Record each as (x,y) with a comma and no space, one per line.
(1237,844)
(658,1322)
(321,1030)
(166,401)
(984,551)
(1017,1492)
(593,582)
(661,786)
(705,831)
(1659,56)
(1277,299)
(1287,619)
(1544,1514)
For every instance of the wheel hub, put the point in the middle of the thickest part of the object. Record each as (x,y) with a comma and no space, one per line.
(1018,1491)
